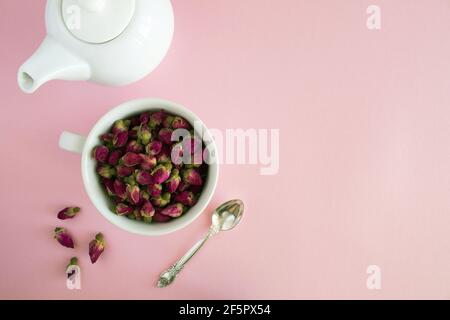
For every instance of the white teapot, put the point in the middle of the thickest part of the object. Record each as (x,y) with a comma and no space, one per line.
(111,42)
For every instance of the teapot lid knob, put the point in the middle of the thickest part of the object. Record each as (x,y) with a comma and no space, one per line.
(97,21)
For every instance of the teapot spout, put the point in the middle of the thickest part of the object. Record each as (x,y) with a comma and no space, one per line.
(51,61)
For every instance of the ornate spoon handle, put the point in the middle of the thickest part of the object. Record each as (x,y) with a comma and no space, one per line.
(168,276)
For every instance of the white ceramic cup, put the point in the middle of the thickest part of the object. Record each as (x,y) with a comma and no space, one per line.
(84,145)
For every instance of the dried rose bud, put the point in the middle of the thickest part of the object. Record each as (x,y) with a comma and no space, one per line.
(68,213)
(109,186)
(63,237)
(147,162)
(160,174)
(101,153)
(183,186)
(167,122)
(123,171)
(186,198)
(155,190)
(133,133)
(107,137)
(165,135)
(147,211)
(134,146)
(161,200)
(174,210)
(156,118)
(122,209)
(106,171)
(121,126)
(114,157)
(137,214)
(144,135)
(180,123)
(120,139)
(144,196)
(143,177)
(173,181)
(192,177)
(131,159)
(120,189)
(133,194)
(96,247)
(164,155)
(70,271)
(153,148)
(158,217)
(144,118)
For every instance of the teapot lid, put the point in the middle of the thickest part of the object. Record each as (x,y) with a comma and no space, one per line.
(97,21)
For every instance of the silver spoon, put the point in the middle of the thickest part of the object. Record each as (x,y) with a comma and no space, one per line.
(225,217)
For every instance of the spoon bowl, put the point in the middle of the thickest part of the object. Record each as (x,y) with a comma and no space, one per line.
(228,215)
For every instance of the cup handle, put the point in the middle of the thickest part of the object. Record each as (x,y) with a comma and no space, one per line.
(71,142)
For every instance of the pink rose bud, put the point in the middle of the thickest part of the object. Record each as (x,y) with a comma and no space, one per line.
(186,198)
(131,159)
(155,190)
(114,157)
(109,186)
(183,186)
(63,237)
(133,133)
(96,247)
(158,217)
(165,135)
(167,122)
(123,171)
(180,123)
(147,210)
(144,118)
(161,200)
(68,213)
(133,194)
(134,146)
(122,209)
(120,189)
(143,177)
(160,174)
(174,210)
(153,148)
(107,137)
(106,171)
(147,162)
(121,126)
(101,153)
(192,177)
(173,181)
(156,118)
(73,262)
(120,139)
(144,135)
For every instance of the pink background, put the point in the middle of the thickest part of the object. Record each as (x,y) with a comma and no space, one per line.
(364,119)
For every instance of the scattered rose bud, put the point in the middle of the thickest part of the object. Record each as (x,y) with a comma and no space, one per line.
(144,135)
(186,198)
(101,154)
(120,139)
(192,177)
(153,148)
(134,147)
(160,174)
(68,213)
(165,135)
(143,177)
(155,190)
(131,159)
(174,210)
(69,270)
(173,181)
(147,162)
(96,247)
(122,209)
(106,171)
(161,200)
(133,194)
(63,237)
(114,157)
(121,126)
(180,123)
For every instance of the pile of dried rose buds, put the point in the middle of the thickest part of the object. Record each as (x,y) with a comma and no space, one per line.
(148,176)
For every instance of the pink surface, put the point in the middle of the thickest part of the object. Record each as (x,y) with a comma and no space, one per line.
(364,119)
